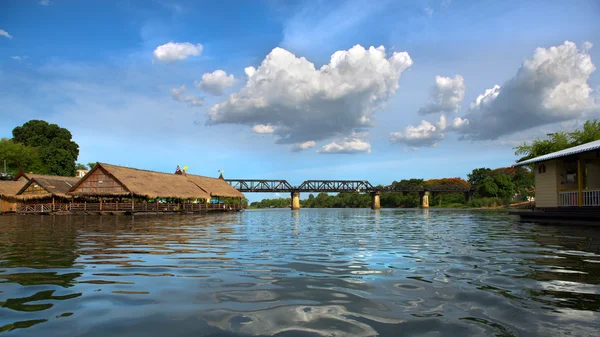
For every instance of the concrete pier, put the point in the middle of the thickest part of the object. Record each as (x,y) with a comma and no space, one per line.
(468,197)
(424,199)
(295,201)
(375,200)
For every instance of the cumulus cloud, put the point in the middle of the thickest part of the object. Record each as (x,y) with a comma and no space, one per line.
(446,95)
(303,146)
(305,103)
(19,58)
(348,146)
(176,51)
(5,34)
(177,94)
(216,82)
(550,87)
(45,2)
(263,129)
(427,134)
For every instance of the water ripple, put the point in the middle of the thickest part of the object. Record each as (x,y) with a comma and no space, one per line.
(309,273)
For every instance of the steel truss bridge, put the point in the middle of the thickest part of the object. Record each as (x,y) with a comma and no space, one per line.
(334,186)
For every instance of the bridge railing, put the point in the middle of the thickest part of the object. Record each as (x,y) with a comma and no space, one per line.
(335,186)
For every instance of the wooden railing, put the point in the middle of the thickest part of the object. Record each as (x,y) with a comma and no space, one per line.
(571,198)
(568,199)
(123,207)
(591,198)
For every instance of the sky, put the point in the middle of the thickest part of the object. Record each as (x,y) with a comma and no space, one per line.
(301,90)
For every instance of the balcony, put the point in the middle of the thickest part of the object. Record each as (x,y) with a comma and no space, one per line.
(589,198)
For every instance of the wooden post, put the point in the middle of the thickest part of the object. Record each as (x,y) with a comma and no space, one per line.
(100,204)
(579,184)
(52,203)
(132,203)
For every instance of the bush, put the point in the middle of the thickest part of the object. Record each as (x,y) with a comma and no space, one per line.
(487,202)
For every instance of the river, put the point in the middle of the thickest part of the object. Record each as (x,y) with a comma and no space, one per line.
(327,272)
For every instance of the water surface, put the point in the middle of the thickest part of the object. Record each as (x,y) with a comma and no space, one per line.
(347,272)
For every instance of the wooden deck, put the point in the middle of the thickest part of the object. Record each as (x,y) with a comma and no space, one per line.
(562,215)
(122,207)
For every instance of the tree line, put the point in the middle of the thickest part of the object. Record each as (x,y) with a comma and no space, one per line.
(491,188)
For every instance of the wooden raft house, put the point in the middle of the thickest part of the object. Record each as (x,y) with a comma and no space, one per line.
(567,186)
(8,191)
(42,193)
(116,189)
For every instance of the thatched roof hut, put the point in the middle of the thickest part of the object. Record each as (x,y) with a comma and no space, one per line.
(107,180)
(43,186)
(8,191)
(22,176)
(215,187)
(9,188)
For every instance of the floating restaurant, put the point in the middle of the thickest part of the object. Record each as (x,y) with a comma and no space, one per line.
(116,189)
(567,185)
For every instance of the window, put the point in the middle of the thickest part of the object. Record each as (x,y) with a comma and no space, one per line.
(542,169)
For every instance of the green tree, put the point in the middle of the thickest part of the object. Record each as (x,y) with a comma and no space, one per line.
(478,175)
(80,166)
(20,156)
(488,188)
(558,141)
(91,165)
(56,148)
(589,133)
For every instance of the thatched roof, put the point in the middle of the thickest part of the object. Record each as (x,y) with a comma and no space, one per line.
(55,185)
(149,184)
(9,188)
(216,187)
(29,176)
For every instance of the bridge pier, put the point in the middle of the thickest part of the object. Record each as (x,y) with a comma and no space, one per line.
(295,200)
(376,200)
(424,199)
(468,197)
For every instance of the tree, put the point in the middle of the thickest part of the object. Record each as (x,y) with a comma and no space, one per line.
(91,165)
(477,176)
(80,166)
(589,133)
(20,156)
(559,141)
(56,148)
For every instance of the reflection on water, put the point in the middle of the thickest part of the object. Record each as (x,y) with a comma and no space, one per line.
(302,273)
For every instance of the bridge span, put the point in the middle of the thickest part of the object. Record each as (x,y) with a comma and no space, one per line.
(339,186)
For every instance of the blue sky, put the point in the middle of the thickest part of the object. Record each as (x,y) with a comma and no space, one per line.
(113,72)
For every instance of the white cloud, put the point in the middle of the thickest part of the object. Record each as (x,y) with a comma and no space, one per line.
(177,94)
(428,11)
(45,2)
(445,3)
(304,103)
(176,51)
(263,129)
(427,134)
(303,146)
(424,134)
(348,146)
(19,58)
(446,95)
(5,34)
(216,82)
(551,87)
